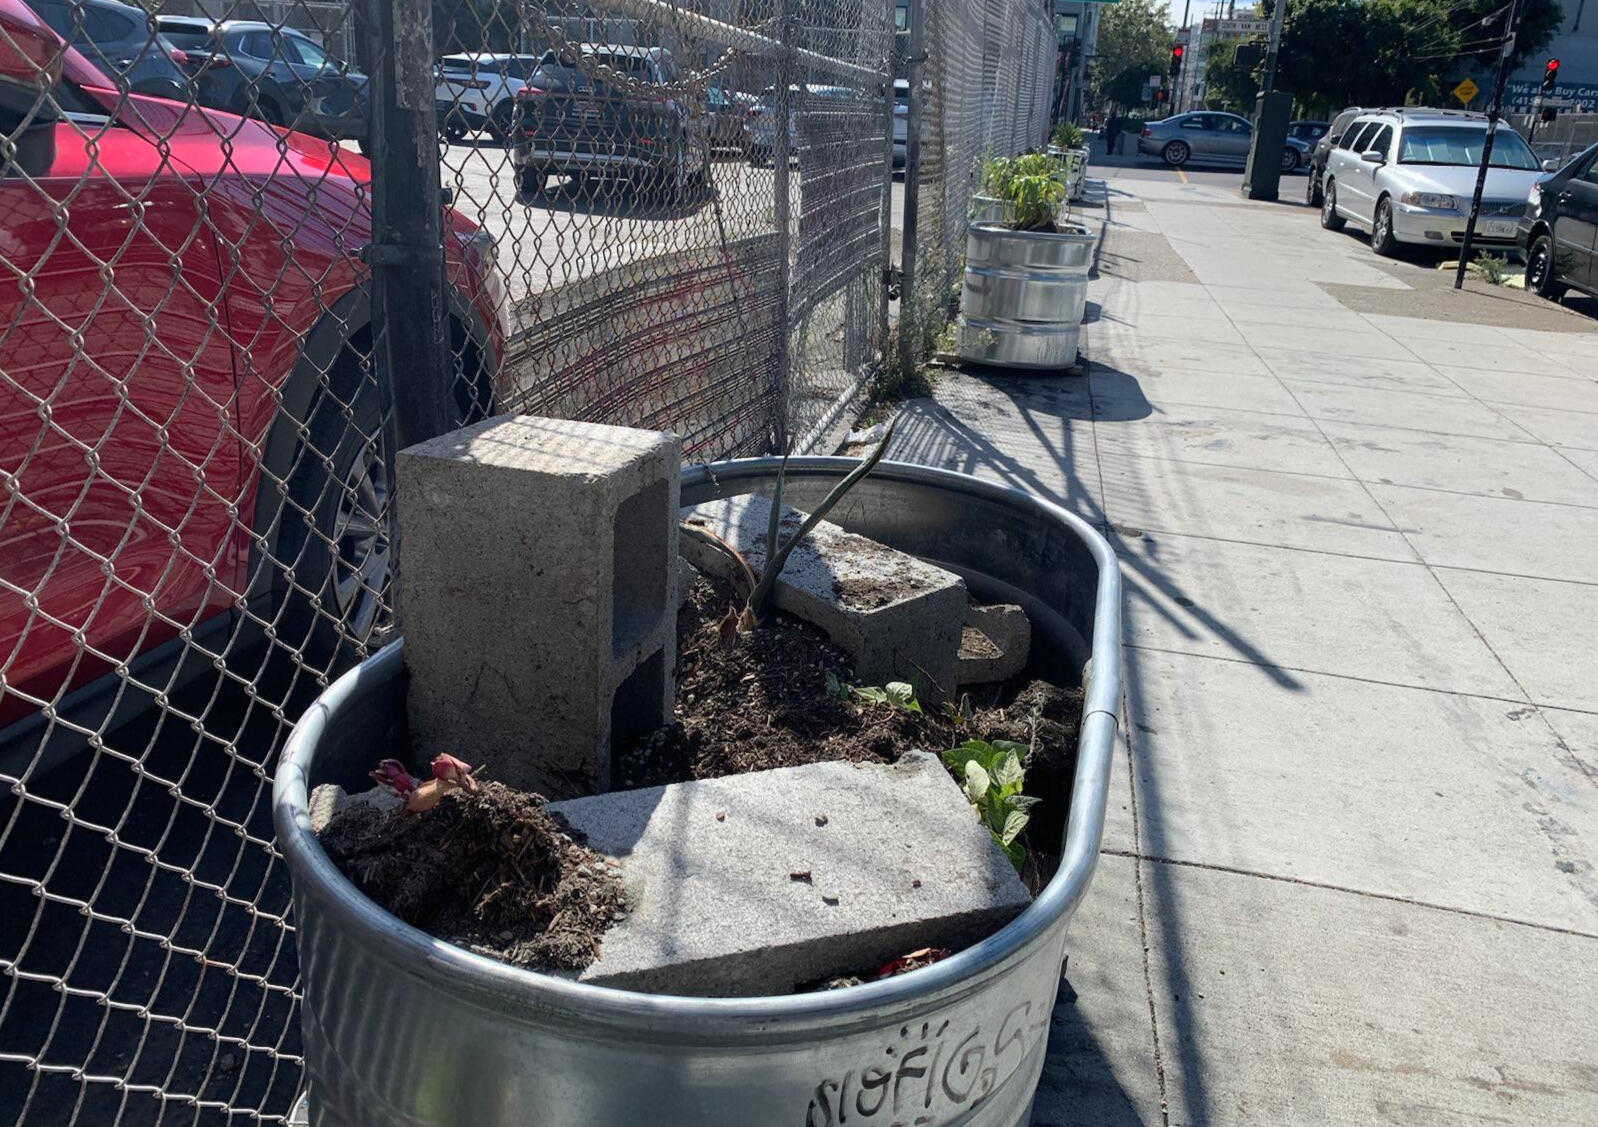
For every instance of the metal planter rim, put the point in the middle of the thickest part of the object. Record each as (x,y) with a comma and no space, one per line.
(774,1019)
(1076,232)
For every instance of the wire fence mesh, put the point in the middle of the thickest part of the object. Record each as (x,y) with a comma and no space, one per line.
(228,294)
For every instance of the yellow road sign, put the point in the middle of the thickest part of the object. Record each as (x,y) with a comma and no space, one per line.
(1465,91)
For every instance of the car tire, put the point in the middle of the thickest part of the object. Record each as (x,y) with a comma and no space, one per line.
(453,129)
(1289,160)
(1382,240)
(1312,190)
(1176,153)
(500,120)
(1542,275)
(333,550)
(1329,217)
(530,180)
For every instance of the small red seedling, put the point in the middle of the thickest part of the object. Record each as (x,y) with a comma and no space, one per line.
(449,774)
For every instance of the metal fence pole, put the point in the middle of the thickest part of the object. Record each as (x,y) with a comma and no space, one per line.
(406,253)
(782,145)
(909,330)
(885,216)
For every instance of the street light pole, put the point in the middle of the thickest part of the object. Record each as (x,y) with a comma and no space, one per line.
(1504,52)
(1278,12)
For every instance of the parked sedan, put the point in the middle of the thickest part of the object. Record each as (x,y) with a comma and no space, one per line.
(726,118)
(1408,175)
(1207,137)
(178,453)
(1315,167)
(118,40)
(273,73)
(1559,233)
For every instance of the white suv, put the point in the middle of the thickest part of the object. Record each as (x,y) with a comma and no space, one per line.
(1407,176)
(479,92)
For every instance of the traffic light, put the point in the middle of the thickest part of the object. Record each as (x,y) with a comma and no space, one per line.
(1176,58)
(1550,76)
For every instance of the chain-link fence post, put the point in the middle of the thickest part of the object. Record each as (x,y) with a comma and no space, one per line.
(909,328)
(406,252)
(885,215)
(781,153)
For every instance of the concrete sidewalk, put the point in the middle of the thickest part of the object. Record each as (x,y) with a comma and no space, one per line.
(1349,873)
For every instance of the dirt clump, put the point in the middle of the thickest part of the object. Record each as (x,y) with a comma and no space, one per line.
(490,870)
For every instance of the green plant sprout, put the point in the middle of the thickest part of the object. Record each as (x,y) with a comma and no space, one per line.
(899,694)
(1035,199)
(992,777)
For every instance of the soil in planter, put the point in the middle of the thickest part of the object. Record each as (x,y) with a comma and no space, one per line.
(490,870)
(763,703)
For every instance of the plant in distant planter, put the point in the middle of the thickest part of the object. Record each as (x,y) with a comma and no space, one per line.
(1034,196)
(992,776)
(995,175)
(1067,135)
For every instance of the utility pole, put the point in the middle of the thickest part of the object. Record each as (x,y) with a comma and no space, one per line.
(1180,92)
(1278,12)
(1504,52)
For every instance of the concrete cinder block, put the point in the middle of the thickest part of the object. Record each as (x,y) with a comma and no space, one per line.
(538,595)
(897,617)
(995,643)
(759,883)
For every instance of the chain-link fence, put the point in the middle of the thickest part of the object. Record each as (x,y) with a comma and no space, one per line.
(1560,139)
(984,70)
(228,293)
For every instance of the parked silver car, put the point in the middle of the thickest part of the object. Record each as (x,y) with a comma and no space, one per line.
(1407,176)
(1208,137)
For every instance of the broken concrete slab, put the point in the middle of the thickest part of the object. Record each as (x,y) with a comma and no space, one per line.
(538,596)
(994,645)
(330,800)
(898,618)
(762,883)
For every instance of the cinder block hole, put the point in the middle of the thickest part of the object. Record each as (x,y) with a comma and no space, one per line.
(639,565)
(639,703)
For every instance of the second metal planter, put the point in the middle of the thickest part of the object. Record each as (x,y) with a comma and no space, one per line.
(1023,296)
(404,1030)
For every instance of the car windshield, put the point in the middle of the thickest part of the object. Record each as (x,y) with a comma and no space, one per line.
(563,75)
(1462,145)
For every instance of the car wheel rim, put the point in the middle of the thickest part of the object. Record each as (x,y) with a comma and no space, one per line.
(1381,225)
(1537,268)
(1329,201)
(1288,161)
(361,544)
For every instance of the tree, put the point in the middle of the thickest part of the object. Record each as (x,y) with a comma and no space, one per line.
(1227,84)
(1134,42)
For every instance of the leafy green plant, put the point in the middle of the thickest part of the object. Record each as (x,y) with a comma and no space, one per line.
(1068,135)
(1493,268)
(1035,198)
(899,694)
(996,175)
(992,777)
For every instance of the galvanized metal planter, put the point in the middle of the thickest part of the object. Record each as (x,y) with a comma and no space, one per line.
(400,1028)
(1023,296)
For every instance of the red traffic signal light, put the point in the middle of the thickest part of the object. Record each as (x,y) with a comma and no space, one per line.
(1550,76)
(1176,58)
(1176,53)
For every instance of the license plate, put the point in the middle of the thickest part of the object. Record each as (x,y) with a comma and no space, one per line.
(1500,229)
(588,113)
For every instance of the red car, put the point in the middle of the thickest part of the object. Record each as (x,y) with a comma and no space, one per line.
(188,436)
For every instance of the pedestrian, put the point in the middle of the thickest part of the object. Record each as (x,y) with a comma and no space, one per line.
(1112,131)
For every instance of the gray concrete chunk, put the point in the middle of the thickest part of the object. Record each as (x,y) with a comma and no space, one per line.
(759,883)
(538,596)
(897,617)
(995,643)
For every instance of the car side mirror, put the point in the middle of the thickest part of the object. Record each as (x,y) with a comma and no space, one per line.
(30,66)
(1551,165)
(1373,156)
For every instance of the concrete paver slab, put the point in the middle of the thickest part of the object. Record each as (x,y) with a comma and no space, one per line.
(1223,437)
(1568,392)
(1502,359)
(1497,534)
(1291,510)
(1363,618)
(1297,293)
(1163,354)
(1445,799)
(1195,388)
(1578,731)
(1404,375)
(1174,326)
(1419,329)
(1299,317)
(1279,1003)
(1391,407)
(1486,466)
(1100,1069)
(1545,631)
(1557,427)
